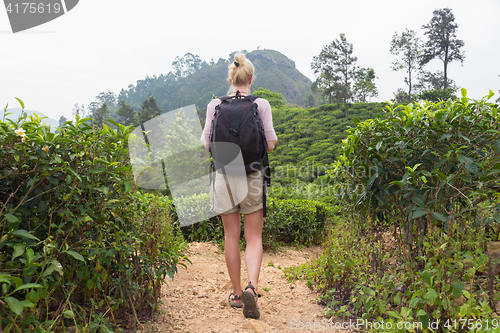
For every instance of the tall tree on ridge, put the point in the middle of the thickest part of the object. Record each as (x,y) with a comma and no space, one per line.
(442,41)
(337,68)
(101,114)
(410,48)
(149,110)
(126,113)
(364,85)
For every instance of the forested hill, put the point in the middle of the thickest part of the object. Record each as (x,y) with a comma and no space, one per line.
(196,84)
(277,73)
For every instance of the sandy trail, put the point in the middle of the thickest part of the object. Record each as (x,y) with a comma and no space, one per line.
(196,301)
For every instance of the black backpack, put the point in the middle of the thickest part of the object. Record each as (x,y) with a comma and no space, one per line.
(237,127)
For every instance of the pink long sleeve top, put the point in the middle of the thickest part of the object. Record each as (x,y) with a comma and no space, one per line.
(265,115)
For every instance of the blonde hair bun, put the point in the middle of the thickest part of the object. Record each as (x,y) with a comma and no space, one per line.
(240,74)
(240,58)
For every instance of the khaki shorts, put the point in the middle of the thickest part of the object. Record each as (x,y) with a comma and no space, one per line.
(246,192)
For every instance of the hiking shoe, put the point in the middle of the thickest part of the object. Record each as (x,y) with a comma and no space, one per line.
(249,299)
(232,298)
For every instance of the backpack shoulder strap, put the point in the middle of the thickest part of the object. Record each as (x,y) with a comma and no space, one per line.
(223,98)
(252,98)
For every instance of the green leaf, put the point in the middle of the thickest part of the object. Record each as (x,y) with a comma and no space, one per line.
(445,136)
(12,218)
(28,286)
(74,174)
(418,201)
(57,266)
(419,212)
(464,310)
(439,216)
(20,102)
(379,144)
(421,312)
(371,180)
(76,255)
(18,250)
(122,168)
(23,233)
(113,122)
(472,167)
(29,255)
(127,186)
(69,314)
(408,122)
(100,160)
(14,305)
(431,294)
(49,270)
(496,217)
(463,159)
(393,314)
(427,275)
(464,92)
(58,159)
(466,178)
(97,170)
(457,289)
(27,304)
(414,302)
(4,278)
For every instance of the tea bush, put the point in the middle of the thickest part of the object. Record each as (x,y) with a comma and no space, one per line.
(424,162)
(419,191)
(79,247)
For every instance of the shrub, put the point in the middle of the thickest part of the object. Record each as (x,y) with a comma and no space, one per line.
(78,246)
(424,163)
(436,167)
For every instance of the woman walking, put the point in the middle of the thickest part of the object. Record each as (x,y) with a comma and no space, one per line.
(241,73)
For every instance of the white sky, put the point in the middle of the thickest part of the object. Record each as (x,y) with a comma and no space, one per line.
(107,45)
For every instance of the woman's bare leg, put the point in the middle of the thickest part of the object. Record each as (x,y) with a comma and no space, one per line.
(232,230)
(253,253)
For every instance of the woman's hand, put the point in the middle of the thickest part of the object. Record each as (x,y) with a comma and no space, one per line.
(271,144)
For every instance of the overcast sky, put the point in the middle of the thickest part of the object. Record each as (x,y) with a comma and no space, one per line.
(108,45)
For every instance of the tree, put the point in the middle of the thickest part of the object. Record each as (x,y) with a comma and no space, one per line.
(93,106)
(79,110)
(126,113)
(433,81)
(409,48)
(437,95)
(186,65)
(364,86)
(442,41)
(275,99)
(336,67)
(101,114)
(401,97)
(309,101)
(62,120)
(149,110)
(107,97)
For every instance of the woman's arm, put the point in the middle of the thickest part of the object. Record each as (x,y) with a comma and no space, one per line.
(267,122)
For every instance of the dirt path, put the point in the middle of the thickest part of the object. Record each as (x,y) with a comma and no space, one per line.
(196,301)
